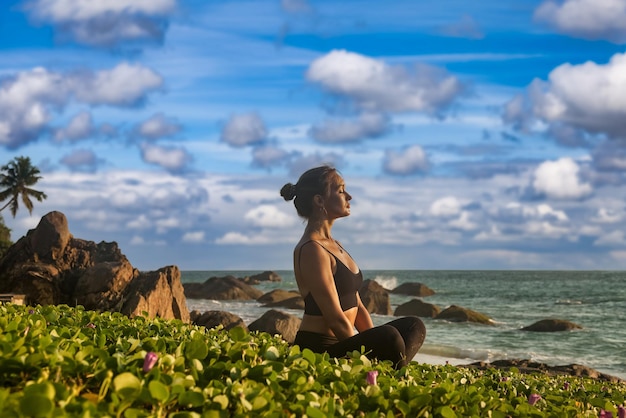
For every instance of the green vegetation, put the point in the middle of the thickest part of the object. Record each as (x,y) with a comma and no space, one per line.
(58,361)
(16,180)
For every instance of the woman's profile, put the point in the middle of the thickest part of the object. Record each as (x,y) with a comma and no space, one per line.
(335,320)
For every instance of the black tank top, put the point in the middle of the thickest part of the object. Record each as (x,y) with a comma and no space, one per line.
(347,284)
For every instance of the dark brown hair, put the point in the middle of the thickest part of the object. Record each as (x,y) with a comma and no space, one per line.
(312,182)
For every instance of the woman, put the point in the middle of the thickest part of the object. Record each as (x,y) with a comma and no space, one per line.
(329,279)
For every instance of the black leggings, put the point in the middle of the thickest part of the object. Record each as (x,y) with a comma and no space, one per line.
(398,341)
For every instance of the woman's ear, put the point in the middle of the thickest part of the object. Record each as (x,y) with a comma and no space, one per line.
(319,200)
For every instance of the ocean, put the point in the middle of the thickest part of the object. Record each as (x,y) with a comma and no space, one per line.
(595,300)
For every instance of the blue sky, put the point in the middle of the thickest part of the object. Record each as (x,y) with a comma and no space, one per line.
(472,135)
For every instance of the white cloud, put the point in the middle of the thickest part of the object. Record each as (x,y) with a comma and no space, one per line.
(124,85)
(587,96)
(611,238)
(376,86)
(268,156)
(28,99)
(244,129)
(590,19)
(170,158)
(366,125)
(464,222)
(607,216)
(158,126)
(410,160)
(81,159)
(559,180)
(268,216)
(446,207)
(194,237)
(80,127)
(105,23)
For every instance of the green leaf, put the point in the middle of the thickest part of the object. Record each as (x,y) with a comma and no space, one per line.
(36,405)
(314,412)
(196,349)
(158,391)
(127,385)
(191,399)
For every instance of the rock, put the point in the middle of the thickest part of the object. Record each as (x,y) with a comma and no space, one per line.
(528,366)
(51,267)
(212,319)
(222,288)
(413,289)
(159,293)
(375,298)
(276,322)
(459,314)
(552,325)
(267,276)
(295,302)
(277,295)
(417,307)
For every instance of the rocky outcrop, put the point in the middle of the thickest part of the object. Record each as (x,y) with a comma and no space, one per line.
(417,307)
(277,295)
(51,267)
(222,288)
(552,325)
(375,298)
(212,319)
(413,289)
(276,322)
(456,313)
(266,276)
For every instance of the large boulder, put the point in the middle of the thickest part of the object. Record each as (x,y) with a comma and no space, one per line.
(456,313)
(417,307)
(295,302)
(212,319)
(51,267)
(413,289)
(552,325)
(222,288)
(276,322)
(375,298)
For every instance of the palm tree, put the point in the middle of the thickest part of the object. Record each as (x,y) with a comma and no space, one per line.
(15,178)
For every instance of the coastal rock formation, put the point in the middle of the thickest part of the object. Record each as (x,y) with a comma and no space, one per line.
(375,298)
(266,276)
(212,319)
(222,288)
(276,322)
(456,313)
(51,267)
(295,302)
(552,325)
(277,295)
(417,307)
(413,289)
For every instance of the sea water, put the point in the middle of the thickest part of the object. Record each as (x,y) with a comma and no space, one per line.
(595,300)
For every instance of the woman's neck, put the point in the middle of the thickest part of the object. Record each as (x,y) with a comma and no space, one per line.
(320,229)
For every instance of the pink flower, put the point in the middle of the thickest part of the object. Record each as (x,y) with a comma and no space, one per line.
(91,325)
(566,386)
(371,377)
(534,398)
(149,361)
(605,414)
(621,412)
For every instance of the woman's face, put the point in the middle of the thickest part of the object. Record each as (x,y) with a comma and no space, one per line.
(337,204)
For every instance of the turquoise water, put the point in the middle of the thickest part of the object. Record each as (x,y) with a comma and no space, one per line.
(596,300)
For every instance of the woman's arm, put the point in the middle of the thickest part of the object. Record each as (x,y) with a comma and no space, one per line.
(316,276)
(363,319)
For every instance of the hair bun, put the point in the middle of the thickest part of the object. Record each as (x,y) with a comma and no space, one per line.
(288,191)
